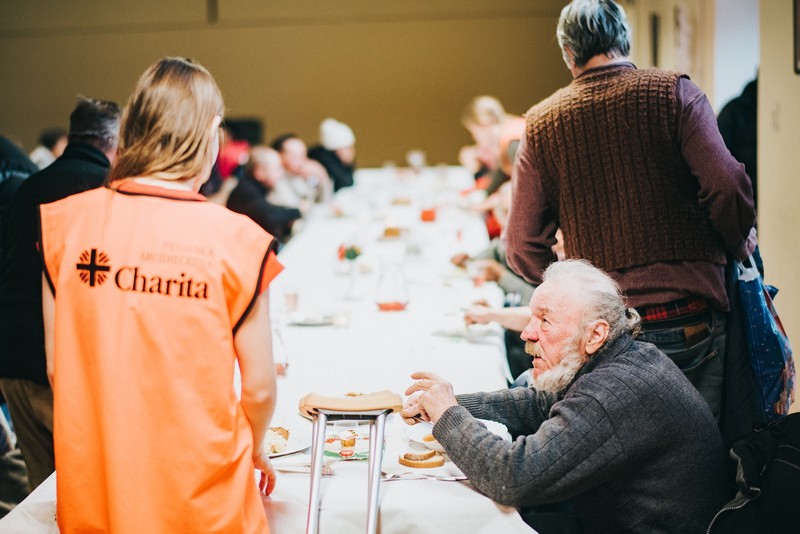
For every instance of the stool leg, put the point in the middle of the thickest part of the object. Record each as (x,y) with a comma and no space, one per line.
(317,452)
(376,429)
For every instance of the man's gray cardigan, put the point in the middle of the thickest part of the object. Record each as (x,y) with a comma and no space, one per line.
(630,443)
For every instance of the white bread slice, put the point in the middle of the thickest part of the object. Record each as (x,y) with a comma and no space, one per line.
(437,460)
(419,455)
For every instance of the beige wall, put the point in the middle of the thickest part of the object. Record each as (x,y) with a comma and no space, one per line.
(778,163)
(399,73)
(684,41)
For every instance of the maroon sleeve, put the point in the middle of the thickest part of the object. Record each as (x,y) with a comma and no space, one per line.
(531,229)
(725,193)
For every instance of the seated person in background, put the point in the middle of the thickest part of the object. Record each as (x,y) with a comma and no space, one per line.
(491,263)
(336,152)
(52,143)
(309,179)
(492,260)
(262,173)
(508,317)
(497,133)
(233,154)
(480,161)
(611,425)
(513,319)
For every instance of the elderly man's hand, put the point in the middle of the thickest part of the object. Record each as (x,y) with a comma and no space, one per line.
(413,411)
(436,397)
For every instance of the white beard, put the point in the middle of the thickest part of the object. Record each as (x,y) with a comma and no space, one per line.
(559,377)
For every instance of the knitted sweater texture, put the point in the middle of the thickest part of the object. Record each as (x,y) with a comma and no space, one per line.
(577,134)
(631,444)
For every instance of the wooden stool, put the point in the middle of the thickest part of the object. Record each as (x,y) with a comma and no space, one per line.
(374,408)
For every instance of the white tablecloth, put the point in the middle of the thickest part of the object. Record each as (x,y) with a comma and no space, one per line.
(370,350)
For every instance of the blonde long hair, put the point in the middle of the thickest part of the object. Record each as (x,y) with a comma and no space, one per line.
(166,127)
(483,111)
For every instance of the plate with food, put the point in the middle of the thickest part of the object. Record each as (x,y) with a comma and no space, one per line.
(348,444)
(310,319)
(284,440)
(421,434)
(408,459)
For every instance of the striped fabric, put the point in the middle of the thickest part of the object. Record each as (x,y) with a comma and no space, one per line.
(674,309)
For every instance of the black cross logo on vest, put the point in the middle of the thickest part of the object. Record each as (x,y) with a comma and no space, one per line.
(93,267)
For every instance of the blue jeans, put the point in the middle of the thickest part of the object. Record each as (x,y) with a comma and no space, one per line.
(697,346)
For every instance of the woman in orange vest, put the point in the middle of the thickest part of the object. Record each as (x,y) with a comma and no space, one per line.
(152,296)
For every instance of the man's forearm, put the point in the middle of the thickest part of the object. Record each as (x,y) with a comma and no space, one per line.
(514,318)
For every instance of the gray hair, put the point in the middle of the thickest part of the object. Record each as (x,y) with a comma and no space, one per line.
(600,294)
(592,27)
(95,122)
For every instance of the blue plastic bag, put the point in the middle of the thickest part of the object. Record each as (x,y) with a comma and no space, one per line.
(769,348)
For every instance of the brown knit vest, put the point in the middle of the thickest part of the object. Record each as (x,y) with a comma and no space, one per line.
(608,151)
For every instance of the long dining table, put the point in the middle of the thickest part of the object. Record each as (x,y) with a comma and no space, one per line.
(330,337)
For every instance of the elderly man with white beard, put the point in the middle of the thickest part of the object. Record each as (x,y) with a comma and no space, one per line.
(610,425)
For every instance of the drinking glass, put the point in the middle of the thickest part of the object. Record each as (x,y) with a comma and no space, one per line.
(392,294)
(279,353)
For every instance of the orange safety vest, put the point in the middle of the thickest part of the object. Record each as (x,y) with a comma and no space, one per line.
(151,285)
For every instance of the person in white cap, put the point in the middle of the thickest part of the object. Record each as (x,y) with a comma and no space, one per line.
(336,152)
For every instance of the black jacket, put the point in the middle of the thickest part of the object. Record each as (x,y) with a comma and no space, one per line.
(341,174)
(15,166)
(738,124)
(80,168)
(249,198)
(767,481)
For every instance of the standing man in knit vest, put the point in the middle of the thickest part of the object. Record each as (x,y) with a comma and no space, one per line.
(631,166)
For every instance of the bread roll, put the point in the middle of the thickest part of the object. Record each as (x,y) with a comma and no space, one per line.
(419,455)
(436,460)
